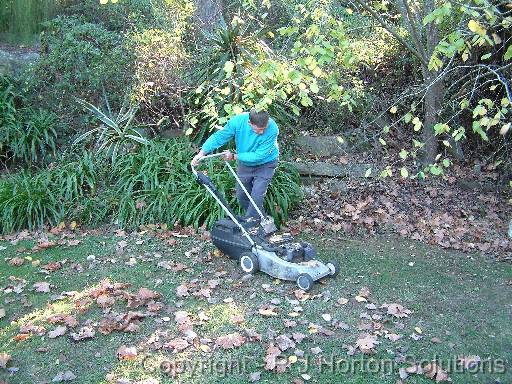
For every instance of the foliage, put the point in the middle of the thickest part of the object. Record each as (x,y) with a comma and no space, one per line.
(8,112)
(28,201)
(116,132)
(156,185)
(35,136)
(78,59)
(241,70)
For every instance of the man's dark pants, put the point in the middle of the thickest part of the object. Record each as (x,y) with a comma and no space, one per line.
(255,180)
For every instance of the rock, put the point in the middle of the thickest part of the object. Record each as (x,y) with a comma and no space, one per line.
(331,170)
(321,145)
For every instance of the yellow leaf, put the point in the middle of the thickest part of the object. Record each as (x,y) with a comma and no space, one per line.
(474,26)
(103,2)
(189,131)
(404,173)
(73,225)
(368,172)
(393,109)
(340,139)
(418,330)
(204,348)
(113,1)
(504,129)
(292,359)
(360,299)
(349,11)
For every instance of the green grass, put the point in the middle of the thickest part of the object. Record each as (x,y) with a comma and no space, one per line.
(465,301)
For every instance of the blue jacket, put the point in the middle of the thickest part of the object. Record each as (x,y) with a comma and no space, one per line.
(252,149)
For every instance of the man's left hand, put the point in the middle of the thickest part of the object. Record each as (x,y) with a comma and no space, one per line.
(228,155)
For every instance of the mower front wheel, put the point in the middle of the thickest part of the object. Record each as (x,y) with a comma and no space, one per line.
(305,282)
(249,263)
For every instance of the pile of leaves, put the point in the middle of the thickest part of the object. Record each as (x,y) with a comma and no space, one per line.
(440,212)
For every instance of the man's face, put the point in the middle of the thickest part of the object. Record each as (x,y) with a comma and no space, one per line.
(258,130)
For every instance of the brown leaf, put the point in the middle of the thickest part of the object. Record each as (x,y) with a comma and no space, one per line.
(16,261)
(230,341)
(145,294)
(182,290)
(435,372)
(301,295)
(366,343)
(42,287)
(267,310)
(298,337)
(59,331)
(396,310)
(154,306)
(4,359)
(237,319)
(52,266)
(21,337)
(178,344)
(469,362)
(83,333)
(252,334)
(270,358)
(365,292)
(105,301)
(126,353)
(393,336)
(284,342)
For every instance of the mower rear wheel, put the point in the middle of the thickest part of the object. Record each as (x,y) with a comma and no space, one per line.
(334,267)
(249,263)
(304,282)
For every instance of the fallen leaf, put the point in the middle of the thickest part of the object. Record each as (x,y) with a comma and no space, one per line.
(396,310)
(230,341)
(342,301)
(360,299)
(21,337)
(364,292)
(298,337)
(326,317)
(254,376)
(52,266)
(177,344)
(316,350)
(418,330)
(105,301)
(435,372)
(252,334)
(469,362)
(284,342)
(267,310)
(182,290)
(64,376)
(59,331)
(126,353)
(366,343)
(16,261)
(393,336)
(2,312)
(145,294)
(4,359)
(83,333)
(436,340)
(271,357)
(42,287)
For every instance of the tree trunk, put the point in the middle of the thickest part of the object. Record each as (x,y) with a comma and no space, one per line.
(432,106)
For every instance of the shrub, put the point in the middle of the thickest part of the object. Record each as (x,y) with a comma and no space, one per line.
(33,135)
(28,201)
(9,99)
(116,131)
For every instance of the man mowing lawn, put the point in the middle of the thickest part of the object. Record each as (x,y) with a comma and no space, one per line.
(257,155)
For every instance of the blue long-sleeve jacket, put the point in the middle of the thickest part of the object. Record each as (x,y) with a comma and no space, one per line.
(252,149)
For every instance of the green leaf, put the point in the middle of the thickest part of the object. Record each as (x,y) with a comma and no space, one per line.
(408,117)
(446,163)
(404,173)
(486,56)
(403,154)
(228,67)
(508,54)
(381,140)
(368,172)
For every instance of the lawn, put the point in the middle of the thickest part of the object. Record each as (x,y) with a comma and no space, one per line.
(211,323)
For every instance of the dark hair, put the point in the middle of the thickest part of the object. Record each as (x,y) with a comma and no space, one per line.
(259,119)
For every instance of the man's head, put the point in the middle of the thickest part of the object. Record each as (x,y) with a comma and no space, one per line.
(258,121)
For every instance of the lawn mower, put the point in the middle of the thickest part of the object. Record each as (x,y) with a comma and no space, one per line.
(258,247)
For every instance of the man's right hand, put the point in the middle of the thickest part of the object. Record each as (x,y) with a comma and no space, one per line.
(195,160)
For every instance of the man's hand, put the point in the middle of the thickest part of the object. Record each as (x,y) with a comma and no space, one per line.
(195,160)
(228,155)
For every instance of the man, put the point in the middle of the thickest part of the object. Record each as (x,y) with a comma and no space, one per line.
(257,155)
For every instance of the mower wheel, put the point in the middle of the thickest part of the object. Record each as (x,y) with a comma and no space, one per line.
(249,263)
(304,282)
(334,267)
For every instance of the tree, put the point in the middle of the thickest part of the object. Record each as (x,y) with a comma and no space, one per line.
(447,39)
